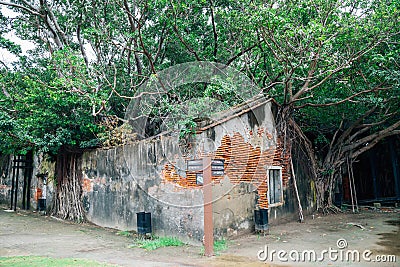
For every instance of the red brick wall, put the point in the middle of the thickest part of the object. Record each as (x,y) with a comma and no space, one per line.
(243,163)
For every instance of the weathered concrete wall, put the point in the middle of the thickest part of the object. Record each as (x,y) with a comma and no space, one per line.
(119,182)
(233,208)
(151,175)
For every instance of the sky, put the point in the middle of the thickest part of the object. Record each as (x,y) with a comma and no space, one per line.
(26,45)
(6,56)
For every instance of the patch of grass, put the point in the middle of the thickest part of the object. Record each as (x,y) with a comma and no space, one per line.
(125,233)
(157,242)
(36,261)
(219,246)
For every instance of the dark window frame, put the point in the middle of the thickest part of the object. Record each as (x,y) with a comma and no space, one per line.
(275,186)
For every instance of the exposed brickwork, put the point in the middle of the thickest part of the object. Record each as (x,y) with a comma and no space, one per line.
(243,163)
(169,174)
(86,185)
(282,158)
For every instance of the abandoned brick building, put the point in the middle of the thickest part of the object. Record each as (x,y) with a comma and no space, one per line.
(157,175)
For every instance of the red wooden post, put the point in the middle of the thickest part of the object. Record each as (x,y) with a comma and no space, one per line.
(208,216)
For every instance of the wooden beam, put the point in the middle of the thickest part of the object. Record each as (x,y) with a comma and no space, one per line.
(208,213)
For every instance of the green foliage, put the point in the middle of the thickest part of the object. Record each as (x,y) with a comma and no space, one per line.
(44,111)
(89,58)
(5,43)
(9,45)
(188,127)
(157,242)
(219,246)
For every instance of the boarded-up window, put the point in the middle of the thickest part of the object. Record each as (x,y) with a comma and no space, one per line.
(274,185)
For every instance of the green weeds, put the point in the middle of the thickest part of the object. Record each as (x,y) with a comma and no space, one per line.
(157,242)
(219,246)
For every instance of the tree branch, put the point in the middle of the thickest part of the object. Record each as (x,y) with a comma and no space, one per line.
(310,74)
(56,25)
(132,20)
(377,88)
(29,10)
(83,52)
(214,30)
(370,145)
(191,50)
(371,140)
(243,51)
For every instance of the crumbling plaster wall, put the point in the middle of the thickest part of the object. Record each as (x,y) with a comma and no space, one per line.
(148,176)
(119,182)
(247,143)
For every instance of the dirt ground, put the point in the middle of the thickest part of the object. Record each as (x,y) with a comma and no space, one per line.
(27,233)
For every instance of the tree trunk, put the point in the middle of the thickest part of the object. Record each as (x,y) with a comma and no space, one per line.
(67,200)
(325,185)
(323,174)
(293,138)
